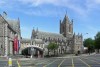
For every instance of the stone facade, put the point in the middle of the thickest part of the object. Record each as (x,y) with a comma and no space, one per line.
(74,41)
(24,42)
(47,37)
(68,42)
(66,27)
(8,29)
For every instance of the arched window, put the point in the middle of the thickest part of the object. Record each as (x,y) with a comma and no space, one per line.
(1,46)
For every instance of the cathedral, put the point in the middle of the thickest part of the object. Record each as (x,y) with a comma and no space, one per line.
(74,41)
(68,41)
(12,43)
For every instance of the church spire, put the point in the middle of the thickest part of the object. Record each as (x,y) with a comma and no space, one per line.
(66,17)
(72,21)
(18,21)
(4,14)
(60,22)
(66,12)
(60,27)
(33,29)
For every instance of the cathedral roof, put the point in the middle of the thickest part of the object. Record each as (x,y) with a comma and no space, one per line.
(25,40)
(5,20)
(48,34)
(14,24)
(38,41)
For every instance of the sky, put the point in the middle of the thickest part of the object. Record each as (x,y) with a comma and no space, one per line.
(46,14)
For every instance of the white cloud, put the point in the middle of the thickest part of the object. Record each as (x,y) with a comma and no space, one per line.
(97,1)
(6,4)
(2,3)
(60,3)
(91,28)
(73,5)
(92,4)
(40,2)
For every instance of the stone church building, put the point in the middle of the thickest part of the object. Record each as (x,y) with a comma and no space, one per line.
(68,41)
(9,28)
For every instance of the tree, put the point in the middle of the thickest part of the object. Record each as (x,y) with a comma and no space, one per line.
(52,46)
(89,42)
(97,41)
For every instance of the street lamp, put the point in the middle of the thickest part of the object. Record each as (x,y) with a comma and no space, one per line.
(85,34)
(82,40)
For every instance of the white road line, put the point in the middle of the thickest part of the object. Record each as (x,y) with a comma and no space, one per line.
(72,62)
(50,63)
(61,62)
(92,60)
(84,62)
(18,64)
(42,62)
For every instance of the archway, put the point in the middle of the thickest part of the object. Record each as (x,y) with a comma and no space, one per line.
(38,52)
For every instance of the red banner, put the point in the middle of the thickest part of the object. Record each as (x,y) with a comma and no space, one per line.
(16,43)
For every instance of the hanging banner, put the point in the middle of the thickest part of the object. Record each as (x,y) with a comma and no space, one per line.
(16,43)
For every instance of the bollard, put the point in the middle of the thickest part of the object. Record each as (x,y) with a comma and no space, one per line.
(10,62)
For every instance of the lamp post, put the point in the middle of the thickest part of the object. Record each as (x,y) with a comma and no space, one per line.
(82,41)
(85,34)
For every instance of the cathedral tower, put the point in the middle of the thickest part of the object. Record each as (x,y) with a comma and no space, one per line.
(66,27)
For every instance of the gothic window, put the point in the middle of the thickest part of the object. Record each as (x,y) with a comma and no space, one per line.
(49,38)
(1,46)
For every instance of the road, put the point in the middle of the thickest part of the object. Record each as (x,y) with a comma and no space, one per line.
(4,62)
(72,61)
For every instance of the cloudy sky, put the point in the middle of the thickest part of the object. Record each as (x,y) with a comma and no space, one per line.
(45,14)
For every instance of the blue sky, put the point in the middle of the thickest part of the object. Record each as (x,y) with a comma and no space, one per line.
(45,14)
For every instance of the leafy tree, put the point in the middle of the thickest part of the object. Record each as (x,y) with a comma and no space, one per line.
(52,46)
(89,42)
(97,41)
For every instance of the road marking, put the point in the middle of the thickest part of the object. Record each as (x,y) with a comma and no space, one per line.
(95,58)
(85,62)
(42,62)
(61,62)
(18,64)
(92,60)
(50,63)
(72,62)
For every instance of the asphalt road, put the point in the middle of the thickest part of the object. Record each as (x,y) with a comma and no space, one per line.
(71,61)
(4,62)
